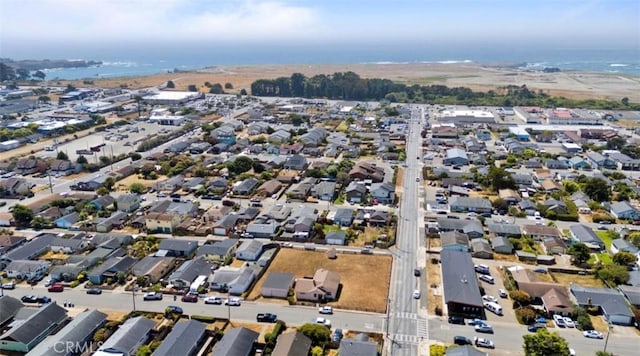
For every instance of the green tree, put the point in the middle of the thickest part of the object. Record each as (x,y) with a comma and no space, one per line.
(44,98)
(240,165)
(228,86)
(137,188)
(39,74)
(22,215)
(624,258)
(108,183)
(257,167)
(545,343)
(81,160)
(613,274)
(319,334)
(634,238)
(144,350)
(597,189)
(39,223)
(500,179)
(62,156)
(580,253)
(583,319)
(192,87)
(170,84)
(243,92)
(625,101)
(500,204)
(216,89)
(135,156)
(520,298)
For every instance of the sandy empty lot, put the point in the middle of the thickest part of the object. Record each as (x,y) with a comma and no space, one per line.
(364,278)
(476,76)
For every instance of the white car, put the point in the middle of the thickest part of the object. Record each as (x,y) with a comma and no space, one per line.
(416,294)
(490,298)
(212,300)
(568,322)
(325,310)
(323,321)
(483,342)
(503,293)
(559,320)
(235,302)
(592,334)
(152,296)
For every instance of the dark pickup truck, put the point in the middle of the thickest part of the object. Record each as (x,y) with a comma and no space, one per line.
(266,318)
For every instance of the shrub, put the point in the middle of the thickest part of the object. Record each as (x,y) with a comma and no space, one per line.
(520,298)
(204,318)
(526,315)
(583,319)
(438,311)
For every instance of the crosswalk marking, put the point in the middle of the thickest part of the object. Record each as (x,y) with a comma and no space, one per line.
(405,339)
(423,329)
(406,315)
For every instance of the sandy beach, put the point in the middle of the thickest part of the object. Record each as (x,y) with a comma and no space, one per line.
(578,85)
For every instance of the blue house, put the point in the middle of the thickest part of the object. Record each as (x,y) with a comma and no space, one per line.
(67,221)
(343,217)
(102,202)
(624,210)
(225,134)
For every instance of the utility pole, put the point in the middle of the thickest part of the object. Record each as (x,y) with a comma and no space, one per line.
(133,296)
(606,341)
(50,185)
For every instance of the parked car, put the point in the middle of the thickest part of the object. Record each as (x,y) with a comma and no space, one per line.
(454,319)
(503,293)
(559,320)
(152,296)
(461,340)
(490,298)
(173,309)
(487,279)
(323,321)
(57,287)
(483,342)
(592,334)
(213,300)
(96,291)
(266,318)
(482,269)
(337,335)
(234,302)
(535,327)
(48,282)
(190,298)
(416,294)
(8,285)
(569,322)
(475,322)
(540,270)
(486,328)
(325,310)
(416,272)
(34,299)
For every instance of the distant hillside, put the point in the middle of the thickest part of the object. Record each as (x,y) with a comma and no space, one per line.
(38,64)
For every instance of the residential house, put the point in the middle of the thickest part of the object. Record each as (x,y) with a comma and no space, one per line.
(366,171)
(584,234)
(128,338)
(622,245)
(116,220)
(314,136)
(472,228)
(540,232)
(454,240)
(224,134)
(111,241)
(577,162)
(279,136)
(186,338)
(480,248)
(610,302)
(464,204)
(233,280)
(31,326)
(67,221)
(59,168)
(236,342)
(510,196)
(102,202)
(343,217)
(324,191)
(358,346)
(502,244)
(378,218)
(277,285)
(14,187)
(296,162)
(302,190)
(336,238)
(356,192)
(322,287)
(599,161)
(461,290)
(9,307)
(128,202)
(218,185)
(157,222)
(153,268)
(184,275)
(78,332)
(522,178)
(26,269)
(292,343)
(268,188)
(383,193)
(556,164)
(262,229)
(455,157)
(249,250)
(504,229)
(245,187)
(554,245)
(26,166)
(29,250)
(226,225)
(219,251)
(111,268)
(549,186)
(624,210)
(177,248)
(171,185)
(9,242)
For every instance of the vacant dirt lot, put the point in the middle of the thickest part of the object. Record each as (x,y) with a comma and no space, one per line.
(364,278)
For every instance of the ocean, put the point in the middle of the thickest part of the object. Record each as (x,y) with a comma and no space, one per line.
(140,62)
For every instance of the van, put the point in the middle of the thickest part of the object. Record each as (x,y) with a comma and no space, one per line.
(584,211)
(494,307)
(487,279)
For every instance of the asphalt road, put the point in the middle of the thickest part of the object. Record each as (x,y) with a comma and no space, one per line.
(124,301)
(406,328)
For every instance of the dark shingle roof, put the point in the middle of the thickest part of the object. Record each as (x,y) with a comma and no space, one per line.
(459,278)
(184,339)
(128,335)
(77,331)
(292,344)
(279,280)
(236,342)
(8,307)
(37,323)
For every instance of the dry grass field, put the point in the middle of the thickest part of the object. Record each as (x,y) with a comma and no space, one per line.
(434,278)
(587,281)
(364,278)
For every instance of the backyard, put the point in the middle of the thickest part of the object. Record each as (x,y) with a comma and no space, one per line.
(358,273)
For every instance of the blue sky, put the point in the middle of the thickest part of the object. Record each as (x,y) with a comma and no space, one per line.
(561,23)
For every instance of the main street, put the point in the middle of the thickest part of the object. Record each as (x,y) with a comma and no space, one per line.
(406,327)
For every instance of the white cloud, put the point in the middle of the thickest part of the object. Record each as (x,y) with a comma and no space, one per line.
(161,19)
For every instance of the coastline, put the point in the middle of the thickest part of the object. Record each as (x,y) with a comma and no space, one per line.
(477,76)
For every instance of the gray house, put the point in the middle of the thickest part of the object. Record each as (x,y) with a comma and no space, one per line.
(454,240)
(132,334)
(584,234)
(236,342)
(296,162)
(343,217)
(79,331)
(219,250)
(336,238)
(464,204)
(502,244)
(480,248)
(455,157)
(249,250)
(245,187)
(611,302)
(292,343)
(177,248)
(358,346)
(277,285)
(184,275)
(30,327)
(185,338)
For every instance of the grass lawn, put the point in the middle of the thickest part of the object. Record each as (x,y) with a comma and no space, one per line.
(587,280)
(328,228)
(364,278)
(344,126)
(603,257)
(605,236)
